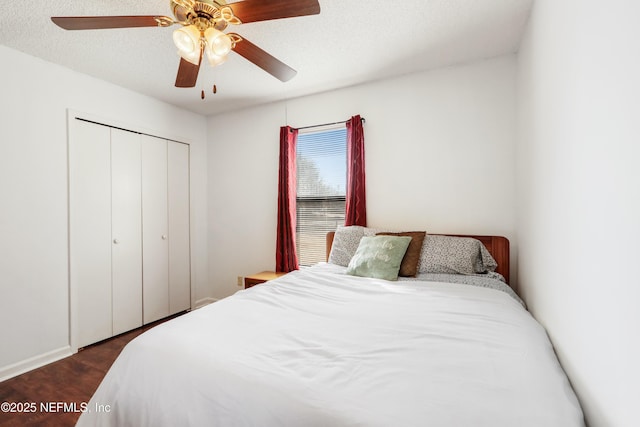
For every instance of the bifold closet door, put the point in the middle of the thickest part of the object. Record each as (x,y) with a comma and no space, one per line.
(90,230)
(126,230)
(155,234)
(129,230)
(179,248)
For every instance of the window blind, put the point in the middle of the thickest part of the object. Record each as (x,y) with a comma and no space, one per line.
(321,190)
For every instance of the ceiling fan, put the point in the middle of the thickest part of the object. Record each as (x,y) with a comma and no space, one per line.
(202,25)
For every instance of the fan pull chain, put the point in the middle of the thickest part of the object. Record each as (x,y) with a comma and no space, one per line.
(214,90)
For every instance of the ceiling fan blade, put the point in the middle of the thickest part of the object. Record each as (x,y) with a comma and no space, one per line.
(262,59)
(260,10)
(104,22)
(187,73)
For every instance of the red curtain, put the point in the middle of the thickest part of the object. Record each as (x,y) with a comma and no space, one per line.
(286,257)
(356,204)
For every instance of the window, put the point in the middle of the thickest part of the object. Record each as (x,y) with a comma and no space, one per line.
(321,190)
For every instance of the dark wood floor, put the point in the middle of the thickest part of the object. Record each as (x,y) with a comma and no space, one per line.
(70,380)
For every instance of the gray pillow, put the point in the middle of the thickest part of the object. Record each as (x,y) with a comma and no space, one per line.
(454,255)
(345,244)
(485,263)
(379,257)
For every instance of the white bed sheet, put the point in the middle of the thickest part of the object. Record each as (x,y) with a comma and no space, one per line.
(319,348)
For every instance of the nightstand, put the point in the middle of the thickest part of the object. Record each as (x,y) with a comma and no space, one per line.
(256,279)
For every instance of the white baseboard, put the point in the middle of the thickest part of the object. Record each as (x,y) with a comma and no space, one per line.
(35,362)
(205,301)
(32,363)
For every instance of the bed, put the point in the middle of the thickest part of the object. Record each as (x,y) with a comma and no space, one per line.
(320,347)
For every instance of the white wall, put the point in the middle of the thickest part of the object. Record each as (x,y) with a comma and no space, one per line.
(34,287)
(439,157)
(579,195)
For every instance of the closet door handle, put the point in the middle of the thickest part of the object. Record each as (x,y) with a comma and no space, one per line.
(164,237)
(116,241)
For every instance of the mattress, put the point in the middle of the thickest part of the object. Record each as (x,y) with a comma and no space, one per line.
(317,347)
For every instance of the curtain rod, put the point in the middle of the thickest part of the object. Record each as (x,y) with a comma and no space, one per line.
(327,124)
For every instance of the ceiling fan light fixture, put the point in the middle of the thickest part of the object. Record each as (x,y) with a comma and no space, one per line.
(187,40)
(194,57)
(203,23)
(187,4)
(215,60)
(226,14)
(218,43)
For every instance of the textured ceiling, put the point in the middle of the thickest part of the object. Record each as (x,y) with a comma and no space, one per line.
(349,42)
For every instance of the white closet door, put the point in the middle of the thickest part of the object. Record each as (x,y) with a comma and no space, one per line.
(126,230)
(90,230)
(155,234)
(179,248)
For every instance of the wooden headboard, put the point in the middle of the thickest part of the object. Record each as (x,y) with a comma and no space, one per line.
(498,247)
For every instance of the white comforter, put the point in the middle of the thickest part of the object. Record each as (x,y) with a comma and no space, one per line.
(319,348)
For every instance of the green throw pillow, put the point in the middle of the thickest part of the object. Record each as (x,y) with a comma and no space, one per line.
(379,257)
